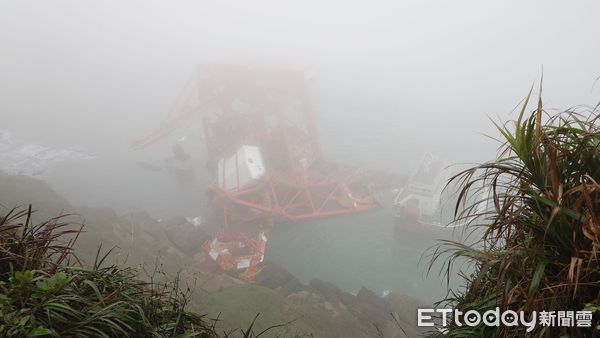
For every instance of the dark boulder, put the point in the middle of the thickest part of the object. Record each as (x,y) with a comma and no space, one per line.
(325,289)
(276,277)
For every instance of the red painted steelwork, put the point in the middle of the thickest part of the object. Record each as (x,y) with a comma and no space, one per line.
(268,108)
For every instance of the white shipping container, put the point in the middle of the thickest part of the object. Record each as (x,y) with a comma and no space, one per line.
(242,169)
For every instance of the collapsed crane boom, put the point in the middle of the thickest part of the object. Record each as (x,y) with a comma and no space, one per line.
(264,150)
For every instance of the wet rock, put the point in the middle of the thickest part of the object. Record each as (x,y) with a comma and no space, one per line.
(185,236)
(405,309)
(218,281)
(102,215)
(371,299)
(348,299)
(141,220)
(278,278)
(300,297)
(328,290)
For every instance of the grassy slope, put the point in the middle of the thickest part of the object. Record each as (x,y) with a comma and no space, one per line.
(140,241)
(239,305)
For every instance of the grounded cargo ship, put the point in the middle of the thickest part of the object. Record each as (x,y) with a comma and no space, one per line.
(425,205)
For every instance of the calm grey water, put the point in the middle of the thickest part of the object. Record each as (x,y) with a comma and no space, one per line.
(358,250)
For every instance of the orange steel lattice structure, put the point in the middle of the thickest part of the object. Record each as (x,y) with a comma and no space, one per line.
(270,109)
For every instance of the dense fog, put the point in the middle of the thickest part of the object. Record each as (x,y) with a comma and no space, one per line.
(389,81)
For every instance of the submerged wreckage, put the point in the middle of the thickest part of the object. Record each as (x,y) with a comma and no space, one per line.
(427,203)
(264,151)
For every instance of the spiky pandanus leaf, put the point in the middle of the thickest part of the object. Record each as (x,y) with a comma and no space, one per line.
(540,243)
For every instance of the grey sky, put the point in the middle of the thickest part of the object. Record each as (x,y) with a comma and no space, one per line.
(392,78)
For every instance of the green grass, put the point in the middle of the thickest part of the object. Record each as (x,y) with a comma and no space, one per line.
(44,291)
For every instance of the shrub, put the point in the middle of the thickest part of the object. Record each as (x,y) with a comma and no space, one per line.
(46,291)
(540,244)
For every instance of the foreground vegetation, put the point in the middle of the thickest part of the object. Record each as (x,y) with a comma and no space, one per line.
(540,243)
(142,242)
(44,291)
